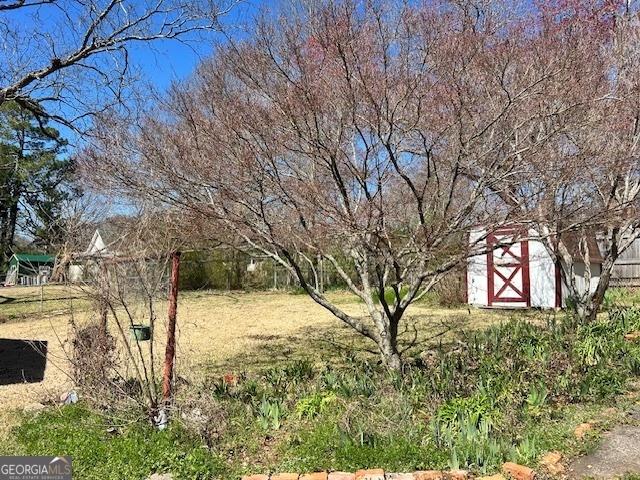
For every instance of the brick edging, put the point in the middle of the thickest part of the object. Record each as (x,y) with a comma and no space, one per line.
(512,470)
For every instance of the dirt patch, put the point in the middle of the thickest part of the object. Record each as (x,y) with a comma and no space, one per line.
(618,455)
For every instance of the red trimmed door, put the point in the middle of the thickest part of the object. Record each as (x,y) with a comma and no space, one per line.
(508,270)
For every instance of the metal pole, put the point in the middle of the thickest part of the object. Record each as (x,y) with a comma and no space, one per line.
(170,351)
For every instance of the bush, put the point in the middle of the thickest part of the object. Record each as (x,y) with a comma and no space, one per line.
(451,291)
(93,360)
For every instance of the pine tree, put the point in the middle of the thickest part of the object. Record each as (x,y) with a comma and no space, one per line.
(34,180)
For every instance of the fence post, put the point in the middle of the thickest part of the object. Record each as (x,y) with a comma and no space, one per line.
(275,275)
(170,351)
(104,296)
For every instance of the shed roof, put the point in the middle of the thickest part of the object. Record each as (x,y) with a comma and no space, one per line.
(572,242)
(34,257)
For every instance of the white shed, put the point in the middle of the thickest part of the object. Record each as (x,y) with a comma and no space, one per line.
(520,273)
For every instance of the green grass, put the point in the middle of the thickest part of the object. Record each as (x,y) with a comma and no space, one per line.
(621,296)
(23,303)
(99,451)
(510,392)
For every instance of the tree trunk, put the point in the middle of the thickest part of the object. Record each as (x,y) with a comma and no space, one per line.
(388,345)
(597,298)
(4,231)
(170,350)
(8,227)
(390,355)
(104,298)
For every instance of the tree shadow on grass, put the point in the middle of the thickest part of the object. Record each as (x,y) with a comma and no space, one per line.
(332,344)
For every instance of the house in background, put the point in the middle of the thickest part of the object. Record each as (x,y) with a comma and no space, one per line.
(97,244)
(29,269)
(97,247)
(521,273)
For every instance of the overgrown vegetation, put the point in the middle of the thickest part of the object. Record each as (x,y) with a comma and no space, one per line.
(511,392)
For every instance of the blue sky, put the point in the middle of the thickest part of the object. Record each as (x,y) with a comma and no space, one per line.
(167,61)
(159,62)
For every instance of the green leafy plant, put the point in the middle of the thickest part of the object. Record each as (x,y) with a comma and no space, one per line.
(471,409)
(271,413)
(536,400)
(313,405)
(598,342)
(133,451)
(527,450)
(290,375)
(472,444)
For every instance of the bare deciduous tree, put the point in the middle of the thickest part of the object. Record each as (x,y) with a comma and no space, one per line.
(68,59)
(371,137)
(581,157)
(127,285)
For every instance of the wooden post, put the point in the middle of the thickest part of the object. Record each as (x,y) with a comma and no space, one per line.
(275,275)
(170,351)
(104,297)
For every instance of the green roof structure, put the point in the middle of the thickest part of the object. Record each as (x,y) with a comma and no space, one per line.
(32,258)
(26,268)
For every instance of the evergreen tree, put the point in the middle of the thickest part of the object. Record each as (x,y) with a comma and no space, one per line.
(34,180)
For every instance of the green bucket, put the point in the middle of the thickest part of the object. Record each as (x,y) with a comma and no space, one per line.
(140,332)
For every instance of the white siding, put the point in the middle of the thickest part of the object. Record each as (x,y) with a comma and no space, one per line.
(477,289)
(76,273)
(542,276)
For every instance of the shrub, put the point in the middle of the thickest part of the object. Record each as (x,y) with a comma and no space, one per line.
(93,360)
(451,291)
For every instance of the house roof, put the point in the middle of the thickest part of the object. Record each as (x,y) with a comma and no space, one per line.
(97,244)
(34,258)
(110,236)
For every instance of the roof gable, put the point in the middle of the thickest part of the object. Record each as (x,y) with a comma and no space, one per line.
(97,244)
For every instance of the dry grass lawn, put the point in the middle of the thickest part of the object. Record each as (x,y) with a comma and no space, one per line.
(218,331)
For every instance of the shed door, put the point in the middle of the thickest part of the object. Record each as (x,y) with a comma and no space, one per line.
(508,270)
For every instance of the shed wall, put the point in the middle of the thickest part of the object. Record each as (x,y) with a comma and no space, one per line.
(542,275)
(478,289)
